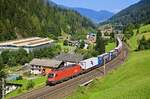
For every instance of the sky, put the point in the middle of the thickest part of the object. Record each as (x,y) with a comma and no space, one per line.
(109,5)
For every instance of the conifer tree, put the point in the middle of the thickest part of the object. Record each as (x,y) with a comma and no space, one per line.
(100,44)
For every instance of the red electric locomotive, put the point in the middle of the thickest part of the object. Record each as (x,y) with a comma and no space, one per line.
(62,74)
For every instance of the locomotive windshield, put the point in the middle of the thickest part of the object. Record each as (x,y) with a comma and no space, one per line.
(51,75)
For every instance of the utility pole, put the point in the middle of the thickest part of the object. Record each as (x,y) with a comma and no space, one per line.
(3,88)
(104,66)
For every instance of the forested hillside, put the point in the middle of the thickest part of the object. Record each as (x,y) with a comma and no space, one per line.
(26,18)
(138,13)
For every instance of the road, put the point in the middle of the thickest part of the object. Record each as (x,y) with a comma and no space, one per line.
(64,89)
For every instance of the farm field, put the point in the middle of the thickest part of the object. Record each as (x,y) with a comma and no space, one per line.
(130,81)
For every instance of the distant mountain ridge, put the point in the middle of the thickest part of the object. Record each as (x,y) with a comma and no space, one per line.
(138,13)
(95,16)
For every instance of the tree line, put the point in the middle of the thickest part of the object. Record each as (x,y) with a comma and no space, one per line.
(20,57)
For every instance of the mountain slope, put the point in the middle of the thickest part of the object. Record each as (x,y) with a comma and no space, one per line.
(26,18)
(95,16)
(135,14)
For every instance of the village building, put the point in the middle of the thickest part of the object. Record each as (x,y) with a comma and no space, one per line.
(91,37)
(29,44)
(106,31)
(43,66)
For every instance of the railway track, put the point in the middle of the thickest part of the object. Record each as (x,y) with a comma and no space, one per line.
(61,90)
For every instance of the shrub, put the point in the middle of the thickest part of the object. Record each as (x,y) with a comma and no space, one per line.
(19,90)
(19,78)
(66,42)
(27,74)
(30,84)
(144,44)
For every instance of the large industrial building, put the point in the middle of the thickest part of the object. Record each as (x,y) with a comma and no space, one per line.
(28,44)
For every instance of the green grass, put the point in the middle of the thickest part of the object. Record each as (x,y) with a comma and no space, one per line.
(144,29)
(66,48)
(133,41)
(147,35)
(38,82)
(110,46)
(129,81)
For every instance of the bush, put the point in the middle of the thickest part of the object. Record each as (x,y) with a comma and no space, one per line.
(82,44)
(66,42)
(144,44)
(19,78)
(27,74)
(30,84)
(19,90)
(66,50)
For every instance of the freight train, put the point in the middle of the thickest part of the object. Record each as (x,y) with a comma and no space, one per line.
(67,72)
